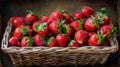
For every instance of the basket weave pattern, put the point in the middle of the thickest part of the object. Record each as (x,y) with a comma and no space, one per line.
(57,55)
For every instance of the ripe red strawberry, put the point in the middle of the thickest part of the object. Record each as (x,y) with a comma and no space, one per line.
(62,40)
(81,36)
(87,11)
(73,43)
(91,24)
(108,30)
(77,24)
(96,40)
(22,31)
(39,40)
(79,15)
(34,26)
(44,18)
(66,17)
(61,27)
(42,29)
(52,42)
(13,41)
(54,27)
(106,42)
(103,18)
(17,21)
(56,15)
(26,41)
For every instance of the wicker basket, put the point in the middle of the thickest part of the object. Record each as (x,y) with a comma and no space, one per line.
(57,55)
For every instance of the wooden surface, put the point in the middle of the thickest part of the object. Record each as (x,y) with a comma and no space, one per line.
(17,8)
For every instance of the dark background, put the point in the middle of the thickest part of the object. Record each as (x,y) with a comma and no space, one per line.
(9,8)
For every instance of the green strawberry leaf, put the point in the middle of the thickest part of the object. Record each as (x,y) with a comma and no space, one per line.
(95,21)
(30,41)
(24,31)
(44,40)
(101,38)
(49,40)
(41,26)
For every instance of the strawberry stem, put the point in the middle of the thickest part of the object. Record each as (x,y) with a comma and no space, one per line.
(30,41)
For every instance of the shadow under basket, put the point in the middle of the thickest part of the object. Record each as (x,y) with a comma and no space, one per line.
(57,55)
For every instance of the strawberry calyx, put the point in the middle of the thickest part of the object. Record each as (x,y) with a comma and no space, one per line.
(63,11)
(44,40)
(95,21)
(49,40)
(24,31)
(34,12)
(113,32)
(71,42)
(101,37)
(30,41)
(63,28)
(81,22)
(41,26)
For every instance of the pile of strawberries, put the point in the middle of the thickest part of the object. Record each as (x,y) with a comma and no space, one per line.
(60,29)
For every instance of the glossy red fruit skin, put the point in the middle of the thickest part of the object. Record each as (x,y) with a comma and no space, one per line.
(54,27)
(44,32)
(44,18)
(91,33)
(18,32)
(62,40)
(93,40)
(67,18)
(53,43)
(17,21)
(79,15)
(70,30)
(87,11)
(24,42)
(13,41)
(74,44)
(89,25)
(34,26)
(106,29)
(81,36)
(29,28)
(75,25)
(38,41)
(106,21)
(54,16)
(31,18)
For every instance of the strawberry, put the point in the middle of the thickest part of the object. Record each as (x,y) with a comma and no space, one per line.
(91,24)
(61,27)
(108,30)
(96,40)
(13,41)
(77,24)
(79,15)
(22,31)
(39,40)
(31,17)
(73,43)
(26,41)
(81,36)
(104,20)
(52,42)
(54,27)
(17,21)
(44,18)
(43,29)
(34,26)
(87,11)
(66,17)
(56,15)
(62,40)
